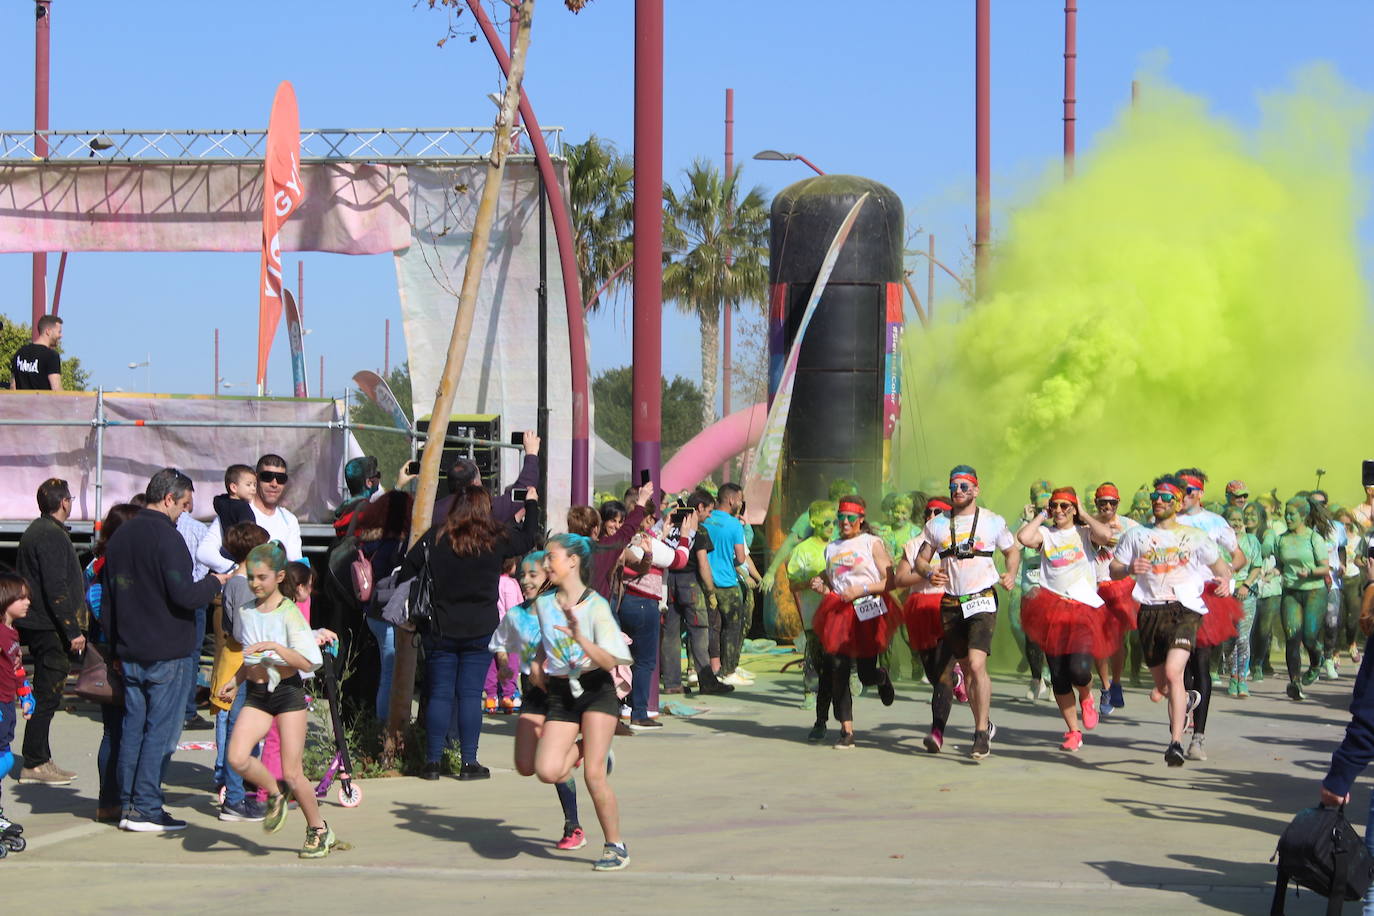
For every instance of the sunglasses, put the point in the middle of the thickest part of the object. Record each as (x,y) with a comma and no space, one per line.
(962,486)
(1065,506)
(1162,496)
(848,517)
(272,476)
(931,513)
(1109,502)
(1191,490)
(1240,495)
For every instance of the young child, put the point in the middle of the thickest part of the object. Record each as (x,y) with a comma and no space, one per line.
(501,693)
(14,605)
(278,647)
(516,644)
(235,507)
(239,541)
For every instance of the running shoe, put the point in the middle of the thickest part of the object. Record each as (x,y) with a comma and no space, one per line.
(1329,671)
(886,692)
(1089,714)
(613,858)
(1104,702)
(1195,749)
(163,823)
(573,838)
(846,741)
(1072,741)
(960,691)
(808,701)
(1233,687)
(1035,689)
(246,811)
(275,816)
(1242,689)
(1310,676)
(982,744)
(817,733)
(1257,673)
(318,842)
(744,673)
(1194,699)
(1118,695)
(935,740)
(1295,691)
(1173,755)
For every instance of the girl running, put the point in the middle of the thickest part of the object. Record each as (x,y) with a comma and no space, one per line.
(1247,591)
(581,644)
(278,647)
(926,633)
(515,645)
(1302,558)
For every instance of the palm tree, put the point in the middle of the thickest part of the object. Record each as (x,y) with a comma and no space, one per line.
(601,196)
(717,256)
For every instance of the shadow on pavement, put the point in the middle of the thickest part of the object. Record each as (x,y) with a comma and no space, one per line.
(488,837)
(1229,887)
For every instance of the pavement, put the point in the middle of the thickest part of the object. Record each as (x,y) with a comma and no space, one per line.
(733,810)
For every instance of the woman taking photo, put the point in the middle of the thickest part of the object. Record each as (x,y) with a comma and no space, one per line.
(581,646)
(465,555)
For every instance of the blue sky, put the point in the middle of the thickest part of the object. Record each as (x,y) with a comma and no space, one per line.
(882,89)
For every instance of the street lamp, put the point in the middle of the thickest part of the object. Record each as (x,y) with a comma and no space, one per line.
(148,365)
(772,155)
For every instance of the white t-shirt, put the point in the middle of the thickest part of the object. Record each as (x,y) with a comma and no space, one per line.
(851,562)
(1179,561)
(911,551)
(1119,526)
(976,573)
(285,625)
(564,657)
(281,525)
(1065,567)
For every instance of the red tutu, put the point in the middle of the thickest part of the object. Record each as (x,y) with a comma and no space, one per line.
(922,615)
(1121,607)
(841,632)
(1222,620)
(1061,626)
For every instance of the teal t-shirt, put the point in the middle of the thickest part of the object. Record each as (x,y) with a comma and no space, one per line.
(726,531)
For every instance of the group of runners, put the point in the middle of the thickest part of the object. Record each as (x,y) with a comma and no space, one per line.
(1178,587)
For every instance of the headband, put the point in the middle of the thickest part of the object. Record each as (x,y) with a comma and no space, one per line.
(942,504)
(1191,481)
(1168,488)
(1065,493)
(1107,491)
(964,475)
(851,506)
(1237,486)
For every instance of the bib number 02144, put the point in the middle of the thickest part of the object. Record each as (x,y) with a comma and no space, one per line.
(979,605)
(870,606)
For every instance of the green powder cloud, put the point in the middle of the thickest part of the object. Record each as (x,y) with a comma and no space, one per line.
(1193,296)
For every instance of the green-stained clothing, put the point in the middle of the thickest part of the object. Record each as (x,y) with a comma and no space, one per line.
(1270,583)
(895,537)
(1254,554)
(806,562)
(1301,553)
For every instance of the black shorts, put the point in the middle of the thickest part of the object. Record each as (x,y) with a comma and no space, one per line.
(965,633)
(288,697)
(598,695)
(1163,627)
(534,701)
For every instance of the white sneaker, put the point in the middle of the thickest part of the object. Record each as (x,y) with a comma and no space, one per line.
(692,678)
(740,672)
(734,680)
(740,669)
(1195,749)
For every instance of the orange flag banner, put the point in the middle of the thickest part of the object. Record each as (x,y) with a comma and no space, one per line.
(282,194)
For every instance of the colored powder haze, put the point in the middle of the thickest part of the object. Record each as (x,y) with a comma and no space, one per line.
(1193,296)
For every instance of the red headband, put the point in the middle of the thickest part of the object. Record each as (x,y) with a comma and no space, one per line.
(1065,493)
(1107,491)
(1191,481)
(849,506)
(964,475)
(1169,488)
(941,504)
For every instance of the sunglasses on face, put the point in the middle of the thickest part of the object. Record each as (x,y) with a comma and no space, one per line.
(1064,506)
(272,476)
(962,486)
(1191,490)
(1161,496)
(848,517)
(1108,502)
(1240,495)
(931,513)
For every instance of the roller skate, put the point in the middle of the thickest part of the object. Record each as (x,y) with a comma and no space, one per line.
(11,836)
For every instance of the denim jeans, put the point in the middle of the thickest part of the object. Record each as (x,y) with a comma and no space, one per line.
(454,672)
(225,775)
(639,619)
(154,700)
(193,665)
(385,634)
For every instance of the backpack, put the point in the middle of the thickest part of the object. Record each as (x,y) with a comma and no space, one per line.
(1321,851)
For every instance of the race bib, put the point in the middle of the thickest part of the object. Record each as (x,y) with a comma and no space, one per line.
(979,605)
(870,606)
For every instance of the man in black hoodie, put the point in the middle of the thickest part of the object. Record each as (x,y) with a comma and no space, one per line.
(53,628)
(149,605)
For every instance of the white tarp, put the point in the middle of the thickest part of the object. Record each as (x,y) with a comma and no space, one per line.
(31,454)
(500,372)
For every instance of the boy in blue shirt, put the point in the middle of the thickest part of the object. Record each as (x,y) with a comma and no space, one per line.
(727,554)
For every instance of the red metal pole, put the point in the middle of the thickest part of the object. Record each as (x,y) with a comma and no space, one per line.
(930,281)
(647,355)
(57,287)
(1070,73)
(809,164)
(386,357)
(982,151)
(41,69)
(567,260)
(729,330)
(216,388)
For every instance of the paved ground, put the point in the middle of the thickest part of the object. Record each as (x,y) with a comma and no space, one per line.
(733,807)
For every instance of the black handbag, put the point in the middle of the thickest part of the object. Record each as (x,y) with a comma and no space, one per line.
(1321,851)
(420,600)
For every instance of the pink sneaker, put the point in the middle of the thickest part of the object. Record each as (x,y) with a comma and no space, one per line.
(1089,715)
(960,692)
(573,839)
(1072,741)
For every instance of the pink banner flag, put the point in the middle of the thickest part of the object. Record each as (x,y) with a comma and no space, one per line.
(282,193)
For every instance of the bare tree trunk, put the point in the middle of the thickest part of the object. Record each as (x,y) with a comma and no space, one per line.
(710,364)
(403,677)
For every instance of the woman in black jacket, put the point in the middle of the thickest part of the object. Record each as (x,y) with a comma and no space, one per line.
(465,556)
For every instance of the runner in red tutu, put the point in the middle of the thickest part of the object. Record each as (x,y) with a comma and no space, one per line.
(1121,607)
(1065,615)
(926,632)
(1171,563)
(1223,611)
(966,540)
(857,618)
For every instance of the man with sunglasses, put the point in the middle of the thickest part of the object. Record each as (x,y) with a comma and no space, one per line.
(280,522)
(1171,563)
(966,539)
(1116,595)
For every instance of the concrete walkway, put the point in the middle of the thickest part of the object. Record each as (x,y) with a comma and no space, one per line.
(733,810)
